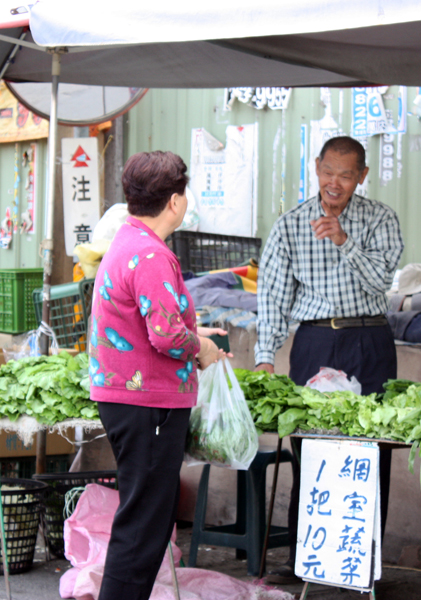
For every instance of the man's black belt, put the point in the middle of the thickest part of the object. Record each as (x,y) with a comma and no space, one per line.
(344,322)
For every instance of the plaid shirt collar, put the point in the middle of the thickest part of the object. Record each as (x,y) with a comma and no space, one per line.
(350,211)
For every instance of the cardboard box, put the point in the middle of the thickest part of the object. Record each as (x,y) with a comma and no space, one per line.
(6,339)
(11,446)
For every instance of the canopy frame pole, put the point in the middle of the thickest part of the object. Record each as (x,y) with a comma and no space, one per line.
(11,55)
(21,42)
(47,244)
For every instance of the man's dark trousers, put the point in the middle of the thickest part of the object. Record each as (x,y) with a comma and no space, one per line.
(368,353)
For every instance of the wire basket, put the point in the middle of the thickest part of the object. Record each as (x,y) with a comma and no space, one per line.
(198,251)
(54,500)
(70,308)
(22,502)
(24,467)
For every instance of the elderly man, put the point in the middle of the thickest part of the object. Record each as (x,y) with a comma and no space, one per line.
(327,264)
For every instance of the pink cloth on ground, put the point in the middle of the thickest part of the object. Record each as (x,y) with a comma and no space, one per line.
(86,536)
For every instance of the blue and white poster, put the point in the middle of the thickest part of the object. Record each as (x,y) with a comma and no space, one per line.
(302,191)
(223,179)
(369,115)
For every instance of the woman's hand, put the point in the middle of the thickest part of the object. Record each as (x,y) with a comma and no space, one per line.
(209,352)
(208,331)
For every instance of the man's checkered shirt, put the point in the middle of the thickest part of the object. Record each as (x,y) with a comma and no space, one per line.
(302,278)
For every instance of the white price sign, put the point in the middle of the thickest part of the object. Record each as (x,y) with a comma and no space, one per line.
(339,521)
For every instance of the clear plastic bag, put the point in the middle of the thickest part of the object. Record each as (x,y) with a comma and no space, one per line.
(331,380)
(221,430)
(28,344)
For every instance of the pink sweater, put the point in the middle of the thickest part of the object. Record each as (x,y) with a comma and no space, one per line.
(144,339)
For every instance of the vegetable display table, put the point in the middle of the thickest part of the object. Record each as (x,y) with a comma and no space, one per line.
(335,515)
(27,427)
(247,533)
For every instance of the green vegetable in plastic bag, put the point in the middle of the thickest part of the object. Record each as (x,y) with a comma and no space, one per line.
(221,429)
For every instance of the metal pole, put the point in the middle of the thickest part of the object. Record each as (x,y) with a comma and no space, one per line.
(11,56)
(47,244)
(173,572)
(305,591)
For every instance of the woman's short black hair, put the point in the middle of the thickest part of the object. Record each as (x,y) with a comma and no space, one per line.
(150,179)
(345,145)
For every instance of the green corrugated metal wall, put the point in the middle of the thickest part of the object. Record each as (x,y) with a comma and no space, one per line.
(23,251)
(164,118)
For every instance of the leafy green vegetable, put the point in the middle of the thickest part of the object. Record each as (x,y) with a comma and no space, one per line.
(220,430)
(277,404)
(48,388)
(266,395)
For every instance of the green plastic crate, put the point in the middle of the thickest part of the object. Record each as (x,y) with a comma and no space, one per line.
(70,308)
(17,313)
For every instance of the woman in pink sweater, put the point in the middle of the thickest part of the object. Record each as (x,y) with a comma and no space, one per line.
(144,351)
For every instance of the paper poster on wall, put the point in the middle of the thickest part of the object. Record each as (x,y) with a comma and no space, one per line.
(17,123)
(223,180)
(275,98)
(320,131)
(386,158)
(318,136)
(338,540)
(80,190)
(369,116)
(302,192)
(28,217)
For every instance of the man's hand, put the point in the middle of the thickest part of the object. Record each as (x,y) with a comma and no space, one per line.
(329,227)
(265,367)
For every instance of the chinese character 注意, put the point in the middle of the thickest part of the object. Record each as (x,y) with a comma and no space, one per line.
(82,233)
(81,188)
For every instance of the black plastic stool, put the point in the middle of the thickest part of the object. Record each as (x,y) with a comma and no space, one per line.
(248,532)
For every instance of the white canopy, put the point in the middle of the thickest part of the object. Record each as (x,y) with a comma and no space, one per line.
(221,43)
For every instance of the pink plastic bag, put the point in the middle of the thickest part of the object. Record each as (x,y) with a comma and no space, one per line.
(86,536)
(87,531)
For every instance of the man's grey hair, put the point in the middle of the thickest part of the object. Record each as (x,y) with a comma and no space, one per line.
(345,145)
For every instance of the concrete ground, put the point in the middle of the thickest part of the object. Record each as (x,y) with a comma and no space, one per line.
(42,581)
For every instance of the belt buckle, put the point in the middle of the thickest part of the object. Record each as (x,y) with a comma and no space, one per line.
(332,323)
